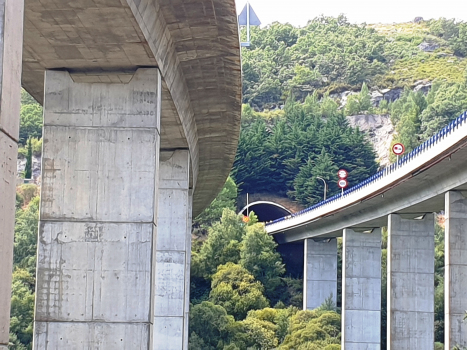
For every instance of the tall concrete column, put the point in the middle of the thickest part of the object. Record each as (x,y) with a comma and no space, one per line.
(172,254)
(455,274)
(11,47)
(320,272)
(98,211)
(361,290)
(411,282)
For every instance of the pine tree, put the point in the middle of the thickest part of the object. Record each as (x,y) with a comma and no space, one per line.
(28,168)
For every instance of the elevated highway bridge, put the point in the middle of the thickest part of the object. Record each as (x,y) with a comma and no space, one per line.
(141,121)
(403,198)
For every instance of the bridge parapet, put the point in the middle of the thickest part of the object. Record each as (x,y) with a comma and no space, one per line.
(437,147)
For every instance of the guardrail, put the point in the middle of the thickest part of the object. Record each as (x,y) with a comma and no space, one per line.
(431,142)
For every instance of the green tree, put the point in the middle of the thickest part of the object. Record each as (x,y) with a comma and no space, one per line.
(224,200)
(313,330)
(222,246)
(28,168)
(236,290)
(258,255)
(22,308)
(308,188)
(26,236)
(445,102)
(260,334)
(359,103)
(210,326)
(30,122)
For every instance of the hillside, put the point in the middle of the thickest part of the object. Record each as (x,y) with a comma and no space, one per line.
(395,83)
(318,98)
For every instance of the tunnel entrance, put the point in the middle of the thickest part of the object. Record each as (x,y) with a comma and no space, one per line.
(266,211)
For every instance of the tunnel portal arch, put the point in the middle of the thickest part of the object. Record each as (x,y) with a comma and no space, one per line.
(266,210)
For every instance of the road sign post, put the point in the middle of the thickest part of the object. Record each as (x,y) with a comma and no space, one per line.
(342,183)
(342,173)
(398,149)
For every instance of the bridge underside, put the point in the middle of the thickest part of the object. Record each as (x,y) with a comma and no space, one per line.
(193,43)
(141,122)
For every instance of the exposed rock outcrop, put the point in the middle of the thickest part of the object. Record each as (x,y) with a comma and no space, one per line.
(428,47)
(379,130)
(36,167)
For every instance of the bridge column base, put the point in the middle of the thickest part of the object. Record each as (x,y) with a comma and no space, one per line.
(95,261)
(410,282)
(11,46)
(172,254)
(455,273)
(320,272)
(361,290)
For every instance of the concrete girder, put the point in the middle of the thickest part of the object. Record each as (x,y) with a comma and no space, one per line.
(193,43)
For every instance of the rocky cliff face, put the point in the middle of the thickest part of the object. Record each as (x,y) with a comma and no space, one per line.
(36,167)
(380,132)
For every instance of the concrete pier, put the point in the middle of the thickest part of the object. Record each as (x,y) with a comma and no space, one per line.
(455,274)
(11,47)
(98,211)
(172,254)
(410,282)
(320,272)
(361,290)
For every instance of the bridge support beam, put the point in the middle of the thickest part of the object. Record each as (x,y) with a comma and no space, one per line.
(455,273)
(410,282)
(361,290)
(320,272)
(95,263)
(172,255)
(11,47)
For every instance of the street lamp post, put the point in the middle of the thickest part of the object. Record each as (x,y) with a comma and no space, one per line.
(325,186)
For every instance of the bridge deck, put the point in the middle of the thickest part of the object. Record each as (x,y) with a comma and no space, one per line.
(416,186)
(195,45)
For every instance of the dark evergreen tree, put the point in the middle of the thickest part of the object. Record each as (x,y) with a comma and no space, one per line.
(28,168)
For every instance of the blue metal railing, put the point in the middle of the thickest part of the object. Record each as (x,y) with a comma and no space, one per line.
(432,141)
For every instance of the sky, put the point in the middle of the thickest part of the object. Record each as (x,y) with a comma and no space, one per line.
(298,12)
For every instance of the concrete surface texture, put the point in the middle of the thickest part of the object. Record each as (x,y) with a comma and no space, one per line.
(410,306)
(172,254)
(11,34)
(455,329)
(361,290)
(193,43)
(98,211)
(320,272)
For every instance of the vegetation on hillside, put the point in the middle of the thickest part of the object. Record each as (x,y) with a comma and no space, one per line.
(286,153)
(293,130)
(333,55)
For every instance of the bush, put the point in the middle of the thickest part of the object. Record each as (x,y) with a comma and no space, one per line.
(27,192)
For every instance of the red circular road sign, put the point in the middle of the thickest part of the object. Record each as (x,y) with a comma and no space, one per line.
(342,173)
(342,183)
(398,149)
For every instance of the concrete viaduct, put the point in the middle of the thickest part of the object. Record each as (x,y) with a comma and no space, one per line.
(402,198)
(141,120)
